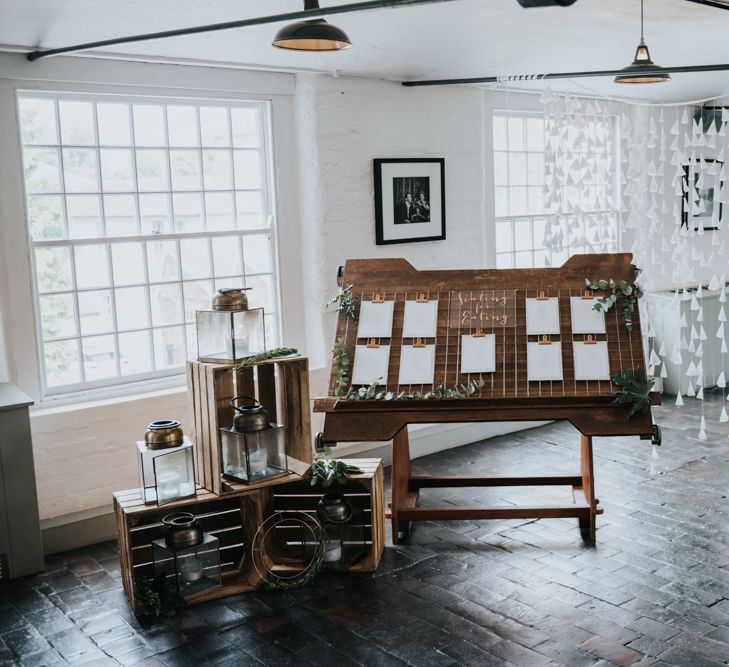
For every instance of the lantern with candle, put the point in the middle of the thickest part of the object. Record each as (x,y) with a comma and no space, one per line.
(187,555)
(230,331)
(166,470)
(344,532)
(254,448)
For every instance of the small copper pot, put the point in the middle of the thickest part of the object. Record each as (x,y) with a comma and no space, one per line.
(182,531)
(231,299)
(164,433)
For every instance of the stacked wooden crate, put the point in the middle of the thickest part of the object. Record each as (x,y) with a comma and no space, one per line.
(280,386)
(233,512)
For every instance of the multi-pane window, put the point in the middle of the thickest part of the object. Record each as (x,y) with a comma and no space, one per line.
(553,197)
(138,210)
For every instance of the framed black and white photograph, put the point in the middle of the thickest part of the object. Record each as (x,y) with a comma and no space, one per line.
(409,200)
(701,208)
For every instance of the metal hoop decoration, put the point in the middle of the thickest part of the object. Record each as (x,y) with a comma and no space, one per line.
(258,549)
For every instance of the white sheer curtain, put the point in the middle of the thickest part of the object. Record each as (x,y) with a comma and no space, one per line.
(673,206)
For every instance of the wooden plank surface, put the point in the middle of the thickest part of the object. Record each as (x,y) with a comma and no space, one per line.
(397,280)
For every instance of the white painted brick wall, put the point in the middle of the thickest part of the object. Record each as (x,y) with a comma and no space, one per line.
(356,121)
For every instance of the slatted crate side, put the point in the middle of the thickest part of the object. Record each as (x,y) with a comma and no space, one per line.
(364,491)
(232,520)
(282,387)
(295,408)
(197,426)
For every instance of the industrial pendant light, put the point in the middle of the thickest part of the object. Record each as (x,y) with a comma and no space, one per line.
(314,35)
(635,72)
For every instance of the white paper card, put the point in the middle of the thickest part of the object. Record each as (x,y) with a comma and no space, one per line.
(544,362)
(421,319)
(375,319)
(585,320)
(478,354)
(542,316)
(417,365)
(370,364)
(591,361)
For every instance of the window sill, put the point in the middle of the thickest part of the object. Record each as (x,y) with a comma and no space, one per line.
(111,397)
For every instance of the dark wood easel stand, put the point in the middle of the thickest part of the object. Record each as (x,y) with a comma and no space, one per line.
(492,302)
(406,490)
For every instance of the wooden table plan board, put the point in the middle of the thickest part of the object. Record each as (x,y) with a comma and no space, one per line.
(482,315)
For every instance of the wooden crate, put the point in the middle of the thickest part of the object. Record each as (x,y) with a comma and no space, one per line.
(281,386)
(233,520)
(364,492)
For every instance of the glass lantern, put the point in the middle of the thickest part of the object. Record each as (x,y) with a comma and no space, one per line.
(230,331)
(344,532)
(187,555)
(166,469)
(253,449)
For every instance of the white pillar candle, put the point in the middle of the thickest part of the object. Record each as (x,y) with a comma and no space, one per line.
(332,551)
(168,484)
(191,569)
(258,461)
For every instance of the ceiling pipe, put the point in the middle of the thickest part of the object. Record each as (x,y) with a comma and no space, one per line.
(684,69)
(368,5)
(712,3)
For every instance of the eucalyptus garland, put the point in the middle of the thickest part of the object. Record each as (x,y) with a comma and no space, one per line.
(340,367)
(347,302)
(373,392)
(629,293)
(276,353)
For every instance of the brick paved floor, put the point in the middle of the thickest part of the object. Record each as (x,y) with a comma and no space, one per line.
(654,591)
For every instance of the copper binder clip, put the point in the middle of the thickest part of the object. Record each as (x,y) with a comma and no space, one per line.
(478,334)
(590,340)
(421,298)
(587,295)
(378,298)
(544,340)
(372,343)
(542,296)
(418,342)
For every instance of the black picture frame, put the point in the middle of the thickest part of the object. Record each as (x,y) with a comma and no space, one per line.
(423,216)
(700,221)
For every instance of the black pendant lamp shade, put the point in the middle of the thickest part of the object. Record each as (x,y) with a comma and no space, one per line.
(314,35)
(636,71)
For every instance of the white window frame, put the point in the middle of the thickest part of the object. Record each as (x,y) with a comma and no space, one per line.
(531,217)
(138,81)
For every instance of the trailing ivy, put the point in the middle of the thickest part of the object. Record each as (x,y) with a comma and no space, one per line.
(634,390)
(346,301)
(622,290)
(340,367)
(159,596)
